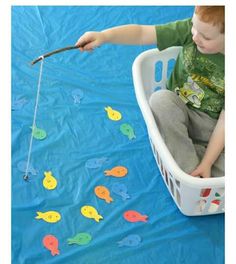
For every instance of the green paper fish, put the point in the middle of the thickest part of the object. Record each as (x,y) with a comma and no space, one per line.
(127,130)
(80,239)
(39,133)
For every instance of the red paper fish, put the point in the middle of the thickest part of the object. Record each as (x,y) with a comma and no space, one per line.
(133,216)
(51,243)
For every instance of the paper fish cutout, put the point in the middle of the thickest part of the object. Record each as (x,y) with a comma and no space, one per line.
(21,166)
(77,95)
(113,114)
(130,241)
(118,171)
(120,189)
(18,104)
(50,216)
(38,133)
(128,131)
(95,163)
(90,212)
(49,181)
(50,242)
(80,239)
(103,193)
(133,216)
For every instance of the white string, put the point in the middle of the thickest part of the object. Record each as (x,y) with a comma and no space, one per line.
(34,120)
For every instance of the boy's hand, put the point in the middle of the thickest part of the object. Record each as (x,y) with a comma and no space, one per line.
(202,170)
(90,40)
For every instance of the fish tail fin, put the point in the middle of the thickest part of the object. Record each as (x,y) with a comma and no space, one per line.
(107,108)
(125,196)
(131,136)
(55,251)
(39,215)
(107,173)
(69,241)
(98,218)
(144,218)
(46,173)
(120,244)
(109,199)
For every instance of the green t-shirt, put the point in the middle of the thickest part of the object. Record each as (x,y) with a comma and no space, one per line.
(197,78)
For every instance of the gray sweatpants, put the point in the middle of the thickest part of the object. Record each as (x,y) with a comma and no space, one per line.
(186,132)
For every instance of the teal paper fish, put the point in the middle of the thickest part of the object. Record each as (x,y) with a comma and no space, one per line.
(127,130)
(80,239)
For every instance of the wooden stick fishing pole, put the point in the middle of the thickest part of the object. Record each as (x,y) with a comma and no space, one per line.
(54,52)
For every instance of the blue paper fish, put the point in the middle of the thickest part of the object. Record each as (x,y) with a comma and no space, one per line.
(21,166)
(120,189)
(130,241)
(77,95)
(95,163)
(127,130)
(18,104)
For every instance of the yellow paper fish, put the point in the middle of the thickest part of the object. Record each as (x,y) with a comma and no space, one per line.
(50,216)
(49,181)
(90,212)
(113,114)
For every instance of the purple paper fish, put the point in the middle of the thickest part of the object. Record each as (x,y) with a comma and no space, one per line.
(130,241)
(120,189)
(95,163)
(77,95)
(21,166)
(18,104)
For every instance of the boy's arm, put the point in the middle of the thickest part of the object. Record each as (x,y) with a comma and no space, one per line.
(127,34)
(214,148)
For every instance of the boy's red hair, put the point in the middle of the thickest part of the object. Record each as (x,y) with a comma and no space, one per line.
(212,14)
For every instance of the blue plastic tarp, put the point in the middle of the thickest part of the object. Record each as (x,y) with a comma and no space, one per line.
(82,142)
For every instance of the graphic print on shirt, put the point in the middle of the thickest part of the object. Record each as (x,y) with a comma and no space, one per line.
(202,74)
(191,92)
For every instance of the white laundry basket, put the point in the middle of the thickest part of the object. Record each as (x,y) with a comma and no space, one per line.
(193,196)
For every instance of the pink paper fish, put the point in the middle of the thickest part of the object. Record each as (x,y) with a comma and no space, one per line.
(51,243)
(134,216)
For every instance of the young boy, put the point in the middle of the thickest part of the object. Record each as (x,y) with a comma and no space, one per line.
(190,113)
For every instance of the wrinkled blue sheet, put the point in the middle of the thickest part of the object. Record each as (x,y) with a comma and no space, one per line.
(78,130)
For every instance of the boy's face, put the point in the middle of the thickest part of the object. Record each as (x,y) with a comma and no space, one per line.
(207,37)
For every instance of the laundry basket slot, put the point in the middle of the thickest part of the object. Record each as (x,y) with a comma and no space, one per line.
(172,184)
(151,70)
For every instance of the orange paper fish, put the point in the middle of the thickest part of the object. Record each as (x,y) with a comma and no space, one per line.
(118,171)
(103,193)
(51,243)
